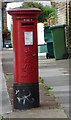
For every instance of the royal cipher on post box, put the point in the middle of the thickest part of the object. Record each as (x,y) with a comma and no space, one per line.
(25,49)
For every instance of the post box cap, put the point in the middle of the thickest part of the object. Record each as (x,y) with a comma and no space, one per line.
(18,11)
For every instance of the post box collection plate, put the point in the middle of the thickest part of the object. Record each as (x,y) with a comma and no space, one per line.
(26,85)
(28,38)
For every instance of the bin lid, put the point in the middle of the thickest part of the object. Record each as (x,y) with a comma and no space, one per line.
(47,26)
(57,26)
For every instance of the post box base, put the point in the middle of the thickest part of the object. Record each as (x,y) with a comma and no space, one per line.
(26,95)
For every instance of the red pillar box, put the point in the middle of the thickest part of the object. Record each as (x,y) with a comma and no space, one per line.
(26,87)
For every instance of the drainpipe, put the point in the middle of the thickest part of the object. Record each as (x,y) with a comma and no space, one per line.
(3,21)
(67,24)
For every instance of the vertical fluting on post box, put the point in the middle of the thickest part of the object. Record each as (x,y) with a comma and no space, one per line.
(25,49)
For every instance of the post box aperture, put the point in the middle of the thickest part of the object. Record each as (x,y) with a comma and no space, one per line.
(25,49)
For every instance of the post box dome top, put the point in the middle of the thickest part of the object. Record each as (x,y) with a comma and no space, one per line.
(18,11)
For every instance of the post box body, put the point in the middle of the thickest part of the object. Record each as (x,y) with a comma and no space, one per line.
(25,49)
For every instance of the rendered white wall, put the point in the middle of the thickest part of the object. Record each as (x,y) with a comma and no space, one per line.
(40,33)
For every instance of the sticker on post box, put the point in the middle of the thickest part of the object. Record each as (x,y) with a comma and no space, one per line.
(28,38)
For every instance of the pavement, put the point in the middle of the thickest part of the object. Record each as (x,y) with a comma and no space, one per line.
(49,69)
(56,75)
(5,104)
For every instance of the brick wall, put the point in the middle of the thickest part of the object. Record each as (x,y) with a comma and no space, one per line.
(60,12)
(0,27)
(0,4)
(63,16)
(69,27)
(4,15)
(4,18)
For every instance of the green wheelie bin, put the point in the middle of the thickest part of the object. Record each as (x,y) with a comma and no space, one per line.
(49,41)
(59,43)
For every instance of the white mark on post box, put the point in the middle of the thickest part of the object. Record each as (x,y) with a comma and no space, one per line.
(17,91)
(25,98)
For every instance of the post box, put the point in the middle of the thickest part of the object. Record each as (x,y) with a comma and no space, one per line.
(25,49)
